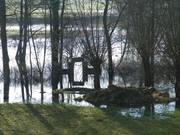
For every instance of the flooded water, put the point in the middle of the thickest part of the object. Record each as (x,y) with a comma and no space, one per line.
(159,110)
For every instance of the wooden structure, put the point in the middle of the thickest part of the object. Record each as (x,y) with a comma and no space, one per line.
(70,71)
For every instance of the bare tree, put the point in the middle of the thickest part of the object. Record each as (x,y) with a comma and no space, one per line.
(144,34)
(54,18)
(40,63)
(92,36)
(61,47)
(171,34)
(6,70)
(21,51)
(109,29)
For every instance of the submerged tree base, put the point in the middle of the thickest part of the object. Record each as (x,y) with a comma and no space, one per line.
(127,96)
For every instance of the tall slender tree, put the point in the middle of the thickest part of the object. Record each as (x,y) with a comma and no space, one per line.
(178,65)
(61,47)
(40,62)
(109,30)
(6,70)
(108,42)
(22,46)
(54,4)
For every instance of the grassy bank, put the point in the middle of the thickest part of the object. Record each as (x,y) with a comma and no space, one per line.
(68,120)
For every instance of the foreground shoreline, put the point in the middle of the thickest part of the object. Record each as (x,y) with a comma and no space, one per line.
(71,120)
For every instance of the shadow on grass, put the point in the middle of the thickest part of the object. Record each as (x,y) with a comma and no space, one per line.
(94,121)
(147,125)
(41,118)
(61,118)
(1,132)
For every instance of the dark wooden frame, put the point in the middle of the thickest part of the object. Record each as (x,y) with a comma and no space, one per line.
(70,71)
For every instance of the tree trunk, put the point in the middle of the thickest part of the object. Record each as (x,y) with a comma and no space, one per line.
(6,70)
(177,86)
(61,48)
(97,72)
(19,50)
(42,87)
(152,41)
(148,79)
(54,48)
(97,78)
(24,67)
(108,42)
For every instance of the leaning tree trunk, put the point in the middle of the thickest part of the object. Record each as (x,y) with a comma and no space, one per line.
(21,51)
(6,70)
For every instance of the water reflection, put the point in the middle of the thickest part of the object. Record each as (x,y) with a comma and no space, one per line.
(132,112)
(15,96)
(70,99)
(159,111)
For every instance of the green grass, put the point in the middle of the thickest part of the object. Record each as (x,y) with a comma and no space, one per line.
(69,120)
